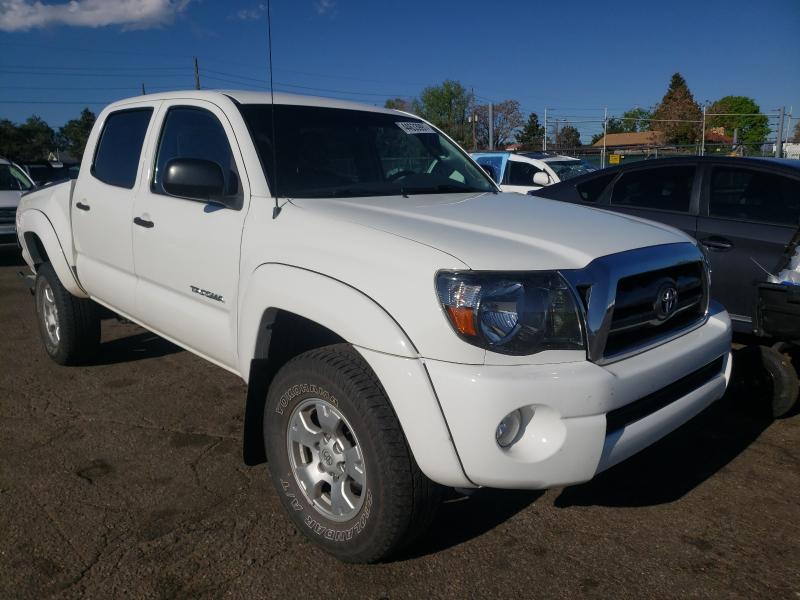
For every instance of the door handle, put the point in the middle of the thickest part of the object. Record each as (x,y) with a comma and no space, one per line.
(717,243)
(82,206)
(143,223)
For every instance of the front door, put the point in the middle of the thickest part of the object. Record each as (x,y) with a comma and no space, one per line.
(102,206)
(187,250)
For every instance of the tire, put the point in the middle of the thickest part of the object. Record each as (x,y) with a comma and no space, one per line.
(767,371)
(328,423)
(69,326)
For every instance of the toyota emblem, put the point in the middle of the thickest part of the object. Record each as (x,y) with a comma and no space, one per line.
(666,301)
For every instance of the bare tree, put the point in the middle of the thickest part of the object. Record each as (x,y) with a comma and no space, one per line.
(507,119)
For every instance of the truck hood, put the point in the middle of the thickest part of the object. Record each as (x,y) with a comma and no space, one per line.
(500,231)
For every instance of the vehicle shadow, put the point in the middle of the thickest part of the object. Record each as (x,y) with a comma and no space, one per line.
(134,347)
(680,462)
(463,518)
(10,256)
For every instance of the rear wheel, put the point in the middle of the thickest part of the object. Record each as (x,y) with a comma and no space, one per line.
(339,460)
(69,326)
(765,370)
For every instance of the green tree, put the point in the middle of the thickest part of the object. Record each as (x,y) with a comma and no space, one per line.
(739,113)
(678,115)
(73,135)
(447,106)
(10,140)
(568,137)
(530,137)
(37,140)
(635,119)
(507,119)
(796,135)
(398,104)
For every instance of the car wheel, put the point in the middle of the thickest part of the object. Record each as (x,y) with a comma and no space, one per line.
(339,460)
(767,371)
(69,326)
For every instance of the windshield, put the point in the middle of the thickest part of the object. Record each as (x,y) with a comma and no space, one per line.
(339,153)
(12,179)
(566,169)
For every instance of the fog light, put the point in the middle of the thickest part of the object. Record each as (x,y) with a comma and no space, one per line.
(508,429)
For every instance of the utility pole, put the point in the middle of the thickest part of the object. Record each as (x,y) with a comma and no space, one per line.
(605,133)
(779,140)
(555,136)
(143,90)
(544,138)
(196,75)
(474,120)
(703,134)
(491,127)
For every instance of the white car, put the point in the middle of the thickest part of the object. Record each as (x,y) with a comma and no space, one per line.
(401,324)
(526,172)
(13,183)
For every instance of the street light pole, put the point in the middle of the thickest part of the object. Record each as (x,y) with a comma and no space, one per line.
(703,134)
(605,133)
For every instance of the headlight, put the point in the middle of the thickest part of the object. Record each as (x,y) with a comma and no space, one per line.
(511,313)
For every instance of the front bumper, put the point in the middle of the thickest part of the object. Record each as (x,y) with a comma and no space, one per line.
(566,439)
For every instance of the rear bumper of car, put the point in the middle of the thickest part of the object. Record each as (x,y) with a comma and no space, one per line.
(579,418)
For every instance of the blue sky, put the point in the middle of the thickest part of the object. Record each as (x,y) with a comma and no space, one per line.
(573,57)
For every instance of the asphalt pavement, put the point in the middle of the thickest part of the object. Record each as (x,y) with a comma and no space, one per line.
(125,479)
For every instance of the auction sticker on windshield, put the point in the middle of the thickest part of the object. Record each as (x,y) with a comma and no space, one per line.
(414,127)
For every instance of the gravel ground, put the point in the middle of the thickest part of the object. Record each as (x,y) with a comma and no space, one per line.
(125,479)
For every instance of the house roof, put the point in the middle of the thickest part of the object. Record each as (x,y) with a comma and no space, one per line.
(635,138)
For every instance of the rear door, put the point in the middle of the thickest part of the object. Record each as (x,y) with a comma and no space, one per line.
(748,217)
(667,194)
(102,206)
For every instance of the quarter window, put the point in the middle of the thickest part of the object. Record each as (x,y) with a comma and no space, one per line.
(591,190)
(116,160)
(665,188)
(190,132)
(521,173)
(750,195)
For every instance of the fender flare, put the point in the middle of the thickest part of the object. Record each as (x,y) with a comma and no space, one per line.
(334,304)
(36,222)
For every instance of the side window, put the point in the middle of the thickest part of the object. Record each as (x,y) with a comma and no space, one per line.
(591,190)
(496,164)
(754,196)
(521,173)
(116,159)
(190,132)
(664,188)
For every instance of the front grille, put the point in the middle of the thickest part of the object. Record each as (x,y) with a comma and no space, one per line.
(639,409)
(636,321)
(7,215)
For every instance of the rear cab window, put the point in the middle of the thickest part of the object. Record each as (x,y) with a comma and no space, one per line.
(753,195)
(664,188)
(116,159)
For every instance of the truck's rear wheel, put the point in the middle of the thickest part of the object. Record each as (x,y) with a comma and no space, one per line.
(339,460)
(69,326)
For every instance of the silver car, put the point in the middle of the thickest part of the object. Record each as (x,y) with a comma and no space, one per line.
(13,182)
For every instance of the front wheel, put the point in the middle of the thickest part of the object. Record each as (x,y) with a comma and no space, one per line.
(339,460)
(69,326)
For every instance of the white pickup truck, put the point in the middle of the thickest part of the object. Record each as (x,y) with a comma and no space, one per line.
(402,325)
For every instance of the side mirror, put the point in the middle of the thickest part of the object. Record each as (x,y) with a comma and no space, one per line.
(490,171)
(541,178)
(194,178)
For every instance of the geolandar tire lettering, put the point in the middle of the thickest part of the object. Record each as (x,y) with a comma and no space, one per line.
(339,460)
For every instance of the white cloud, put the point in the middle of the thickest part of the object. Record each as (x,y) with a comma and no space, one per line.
(325,7)
(23,15)
(250,14)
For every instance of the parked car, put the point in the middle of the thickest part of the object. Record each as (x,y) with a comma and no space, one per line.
(400,329)
(13,183)
(526,172)
(45,172)
(744,211)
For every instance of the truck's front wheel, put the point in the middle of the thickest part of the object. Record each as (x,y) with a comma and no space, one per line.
(69,326)
(339,460)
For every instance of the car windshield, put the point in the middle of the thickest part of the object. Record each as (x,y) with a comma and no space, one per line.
(566,169)
(12,179)
(340,153)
